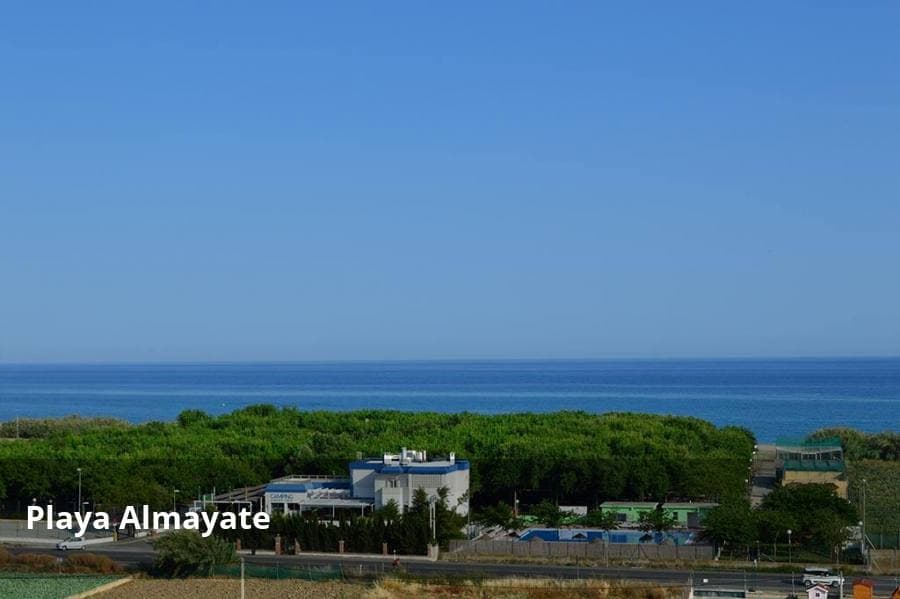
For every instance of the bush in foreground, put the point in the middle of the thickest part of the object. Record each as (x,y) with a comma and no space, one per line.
(79,563)
(90,563)
(185,552)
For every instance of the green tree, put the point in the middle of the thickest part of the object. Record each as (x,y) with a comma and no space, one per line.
(772,526)
(732,523)
(831,532)
(448,524)
(548,514)
(193,417)
(415,531)
(605,520)
(805,504)
(500,515)
(657,520)
(389,512)
(185,552)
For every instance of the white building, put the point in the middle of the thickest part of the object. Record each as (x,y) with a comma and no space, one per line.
(396,477)
(372,484)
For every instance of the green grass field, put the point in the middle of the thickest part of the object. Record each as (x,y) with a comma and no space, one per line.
(44,586)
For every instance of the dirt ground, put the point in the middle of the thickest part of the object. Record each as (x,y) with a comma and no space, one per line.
(206,588)
(203,588)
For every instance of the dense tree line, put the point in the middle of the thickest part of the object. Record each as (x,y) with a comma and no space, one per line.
(570,456)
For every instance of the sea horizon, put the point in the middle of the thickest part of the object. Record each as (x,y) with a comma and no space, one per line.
(238,362)
(772,397)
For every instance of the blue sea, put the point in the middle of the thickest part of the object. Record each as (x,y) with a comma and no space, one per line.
(769,397)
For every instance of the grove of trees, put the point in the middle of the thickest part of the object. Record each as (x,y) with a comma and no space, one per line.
(580,457)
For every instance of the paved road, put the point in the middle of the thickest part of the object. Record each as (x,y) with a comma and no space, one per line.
(140,552)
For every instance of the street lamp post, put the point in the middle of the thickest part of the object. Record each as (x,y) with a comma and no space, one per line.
(175,492)
(756,567)
(80,508)
(432,518)
(790,561)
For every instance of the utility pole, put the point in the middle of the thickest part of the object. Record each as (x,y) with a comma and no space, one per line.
(80,506)
(175,492)
(864,485)
(790,562)
(242,577)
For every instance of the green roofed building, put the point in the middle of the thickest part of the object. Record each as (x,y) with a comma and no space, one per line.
(806,461)
(687,514)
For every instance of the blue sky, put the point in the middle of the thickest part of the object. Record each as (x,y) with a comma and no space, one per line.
(238,181)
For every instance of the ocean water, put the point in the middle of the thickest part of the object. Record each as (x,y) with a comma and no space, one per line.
(770,397)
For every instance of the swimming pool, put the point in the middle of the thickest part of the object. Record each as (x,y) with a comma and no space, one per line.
(586,535)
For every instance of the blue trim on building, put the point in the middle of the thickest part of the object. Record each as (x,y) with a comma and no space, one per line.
(413,468)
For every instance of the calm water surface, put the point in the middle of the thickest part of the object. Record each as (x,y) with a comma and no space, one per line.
(770,397)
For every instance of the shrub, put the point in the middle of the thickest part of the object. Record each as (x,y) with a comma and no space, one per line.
(185,552)
(90,563)
(36,562)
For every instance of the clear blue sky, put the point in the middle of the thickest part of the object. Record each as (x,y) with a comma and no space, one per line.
(258,181)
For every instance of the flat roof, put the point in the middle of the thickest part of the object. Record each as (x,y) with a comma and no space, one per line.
(674,505)
(430,467)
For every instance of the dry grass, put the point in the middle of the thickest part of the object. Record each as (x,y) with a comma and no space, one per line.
(522,588)
(505,588)
(218,588)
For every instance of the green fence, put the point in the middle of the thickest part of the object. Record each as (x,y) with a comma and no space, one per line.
(884,539)
(277,572)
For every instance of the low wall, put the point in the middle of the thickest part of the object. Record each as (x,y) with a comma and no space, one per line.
(599,551)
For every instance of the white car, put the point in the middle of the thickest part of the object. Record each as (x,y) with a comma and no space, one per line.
(71,543)
(823,576)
